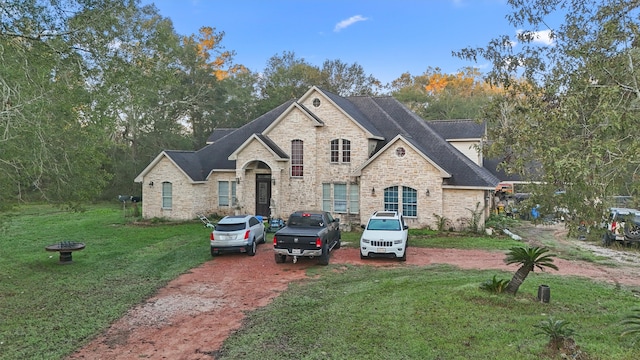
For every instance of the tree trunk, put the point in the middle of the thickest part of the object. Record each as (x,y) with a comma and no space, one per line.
(517,280)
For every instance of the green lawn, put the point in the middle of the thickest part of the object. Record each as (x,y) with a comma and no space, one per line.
(434,312)
(48,310)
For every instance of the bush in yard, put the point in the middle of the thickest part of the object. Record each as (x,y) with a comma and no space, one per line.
(560,338)
(500,222)
(442,222)
(475,225)
(494,285)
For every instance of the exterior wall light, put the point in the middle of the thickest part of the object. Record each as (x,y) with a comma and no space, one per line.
(150,183)
(428,194)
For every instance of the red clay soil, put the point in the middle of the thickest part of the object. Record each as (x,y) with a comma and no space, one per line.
(191,317)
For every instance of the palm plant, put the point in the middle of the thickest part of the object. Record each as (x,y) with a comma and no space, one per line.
(529,259)
(557,330)
(632,323)
(494,285)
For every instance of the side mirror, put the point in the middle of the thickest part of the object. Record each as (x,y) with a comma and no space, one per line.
(336,220)
(362,226)
(406,227)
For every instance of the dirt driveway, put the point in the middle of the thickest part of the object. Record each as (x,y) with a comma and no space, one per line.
(191,317)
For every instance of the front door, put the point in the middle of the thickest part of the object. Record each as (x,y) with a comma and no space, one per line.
(263,194)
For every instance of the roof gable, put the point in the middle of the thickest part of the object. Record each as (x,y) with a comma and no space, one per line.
(266,142)
(184,161)
(349,110)
(293,107)
(393,118)
(392,143)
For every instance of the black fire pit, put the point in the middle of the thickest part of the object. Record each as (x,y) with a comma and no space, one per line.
(65,248)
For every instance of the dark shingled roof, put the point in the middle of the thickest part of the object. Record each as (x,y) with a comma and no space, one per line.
(384,117)
(273,146)
(393,118)
(215,156)
(355,112)
(218,134)
(458,129)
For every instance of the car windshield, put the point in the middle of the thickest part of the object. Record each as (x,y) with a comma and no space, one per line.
(383,224)
(306,220)
(230,227)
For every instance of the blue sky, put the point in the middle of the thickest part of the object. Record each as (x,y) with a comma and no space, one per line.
(385,37)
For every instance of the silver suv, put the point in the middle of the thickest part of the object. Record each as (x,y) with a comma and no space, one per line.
(237,233)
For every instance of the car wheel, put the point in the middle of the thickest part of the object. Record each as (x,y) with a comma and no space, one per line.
(404,255)
(251,248)
(280,259)
(632,232)
(264,237)
(362,256)
(338,244)
(324,258)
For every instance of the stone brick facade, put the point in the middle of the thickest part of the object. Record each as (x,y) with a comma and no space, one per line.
(364,178)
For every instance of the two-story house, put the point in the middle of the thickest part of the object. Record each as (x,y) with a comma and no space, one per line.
(348,155)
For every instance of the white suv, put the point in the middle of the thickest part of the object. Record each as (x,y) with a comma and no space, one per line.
(623,225)
(385,235)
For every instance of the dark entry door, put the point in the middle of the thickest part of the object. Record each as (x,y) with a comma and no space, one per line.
(263,194)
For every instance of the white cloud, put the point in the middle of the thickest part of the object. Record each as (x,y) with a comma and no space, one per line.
(348,22)
(543,37)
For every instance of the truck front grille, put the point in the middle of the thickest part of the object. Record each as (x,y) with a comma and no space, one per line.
(381,243)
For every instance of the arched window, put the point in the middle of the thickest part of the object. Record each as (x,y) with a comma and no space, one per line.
(407,200)
(335,150)
(391,198)
(297,158)
(340,151)
(167,195)
(346,151)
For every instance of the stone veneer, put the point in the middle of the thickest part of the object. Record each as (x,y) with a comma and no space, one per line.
(292,193)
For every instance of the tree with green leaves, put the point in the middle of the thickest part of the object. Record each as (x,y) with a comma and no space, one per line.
(529,259)
(51,148)
(435,95)
(346,80)
(288,77)
(569,116)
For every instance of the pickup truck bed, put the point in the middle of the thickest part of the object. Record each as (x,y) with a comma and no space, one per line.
(307,234)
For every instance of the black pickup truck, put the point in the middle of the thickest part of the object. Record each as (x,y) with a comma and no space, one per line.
(307,234)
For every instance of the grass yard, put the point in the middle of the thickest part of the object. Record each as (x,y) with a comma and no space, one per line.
(436,312)
(48,310)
